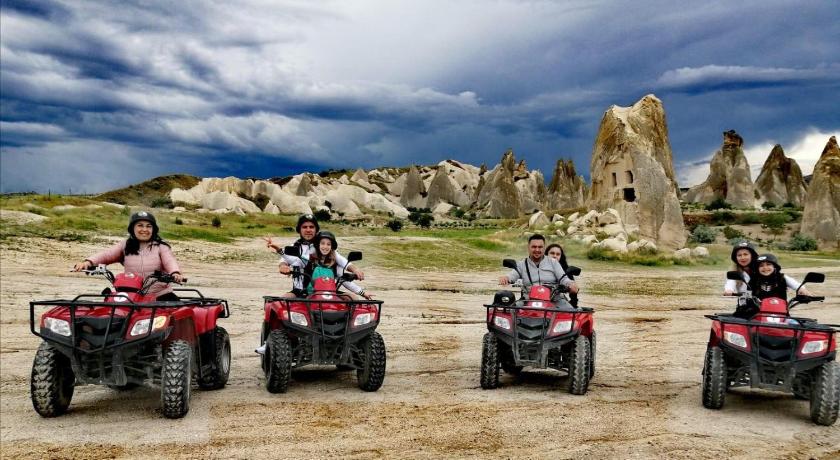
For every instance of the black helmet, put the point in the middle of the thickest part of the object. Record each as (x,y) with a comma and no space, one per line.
(307,218)
(744,245)
(325,234)
(142,215)
(769,258)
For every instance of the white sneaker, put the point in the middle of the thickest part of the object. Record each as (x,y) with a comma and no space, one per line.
(260,349)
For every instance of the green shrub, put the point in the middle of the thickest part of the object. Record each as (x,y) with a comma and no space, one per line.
(217,222)
(395,225)
(789,205)
(723,217)
(596,253)
(322,215)
(163,202)
(800,242)
(178,221)
(732,233)
(775,222)
(703,234)
(425,220)
(718,203)
(768,205)
(748,218)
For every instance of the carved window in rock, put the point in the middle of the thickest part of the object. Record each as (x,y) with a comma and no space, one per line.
(615,180)
(630,194)
(629,175)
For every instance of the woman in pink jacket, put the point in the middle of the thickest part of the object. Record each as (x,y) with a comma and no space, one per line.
(143,253)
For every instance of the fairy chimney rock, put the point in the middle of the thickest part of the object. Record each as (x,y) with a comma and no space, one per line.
(821,217)
(567,189)
(633,172)
(414,192)
(498,196)
(780,180)
(729,176)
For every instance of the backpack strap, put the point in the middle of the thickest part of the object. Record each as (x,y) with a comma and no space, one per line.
(528,270)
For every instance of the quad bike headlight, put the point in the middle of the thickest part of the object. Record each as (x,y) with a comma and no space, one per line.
(363,319)
(814,346)
(58,326)
(501,322)
(142,327)
(735,339)
(299,319)
(562,327)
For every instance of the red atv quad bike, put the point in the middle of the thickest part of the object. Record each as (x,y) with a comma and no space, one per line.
(762,346)
(123,338)
(326,328)
(542,330)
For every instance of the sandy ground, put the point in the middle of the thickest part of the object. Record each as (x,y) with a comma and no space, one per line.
(644,401)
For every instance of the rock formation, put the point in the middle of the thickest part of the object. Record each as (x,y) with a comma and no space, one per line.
(780,180)
(443,189)
(821,217)
(498,196)
(729,176)
(414,192)
(567,189)
(632,172)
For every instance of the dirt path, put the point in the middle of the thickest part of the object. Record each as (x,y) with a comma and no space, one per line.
(643,402)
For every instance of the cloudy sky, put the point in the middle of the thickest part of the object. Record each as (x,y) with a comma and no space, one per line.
(97,95)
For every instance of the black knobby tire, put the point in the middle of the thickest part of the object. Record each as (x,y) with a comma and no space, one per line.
(506,360)
(592,349)
(51,386)
(489,362)
(218,375)
(175,379)
(278,352)
(579,366)
(372,373)
(825,394)
(714,379)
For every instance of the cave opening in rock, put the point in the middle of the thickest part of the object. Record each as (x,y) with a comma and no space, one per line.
(629,195)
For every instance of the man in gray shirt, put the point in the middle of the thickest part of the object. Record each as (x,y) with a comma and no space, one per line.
(538,269)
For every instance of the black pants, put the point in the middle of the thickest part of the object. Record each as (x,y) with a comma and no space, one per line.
(168,297)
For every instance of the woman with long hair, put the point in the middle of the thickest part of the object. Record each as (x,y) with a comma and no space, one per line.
(556,252)
(323,262)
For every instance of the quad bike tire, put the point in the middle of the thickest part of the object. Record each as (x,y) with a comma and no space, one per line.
(372,373)
(825,394)
(52,383)
(579,360)
(278,358)
(506,360)
(714,379)
(217,378)
(175,379)
(592,349)
(489,362)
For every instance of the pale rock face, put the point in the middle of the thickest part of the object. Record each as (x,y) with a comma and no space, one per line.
(633,173)
(178,195)
(342,203)
(780,180)
(442,209)
(610,216)
(499,196)
(572,229)
(465,177)
(360,175)
(557,218)
(179,209)
(700,251)
(613,244)
(729,176)
(538,220)
(396,188)
(567,189)
(227,201)
(414,190)
(559,233)
(821,216)
(289,203)
(614,230)
(573,217)
(271,208)
(344,180)
(531,189)
(442,189)
(683,253)
(589,239)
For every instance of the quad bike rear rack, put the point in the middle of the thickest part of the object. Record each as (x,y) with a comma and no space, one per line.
(761,366)
(89,301)
(320,331)
(513,309)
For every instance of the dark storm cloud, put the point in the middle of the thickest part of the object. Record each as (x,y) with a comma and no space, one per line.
(267,88)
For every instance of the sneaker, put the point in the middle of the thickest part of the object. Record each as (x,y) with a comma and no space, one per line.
(260,349)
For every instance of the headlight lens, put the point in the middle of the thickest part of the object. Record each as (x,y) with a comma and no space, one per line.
(735,339)
(58,326)
(142,327)
(299,319)
(814,346)
(363,319)
(537,304)
(501,322)
(562,326)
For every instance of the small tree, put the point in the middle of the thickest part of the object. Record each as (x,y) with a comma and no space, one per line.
(718,203)
(731,233)
(800,242)
(395,225)
(217,222)
(775,223)
(425,220)
(703,234)
(768,205)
